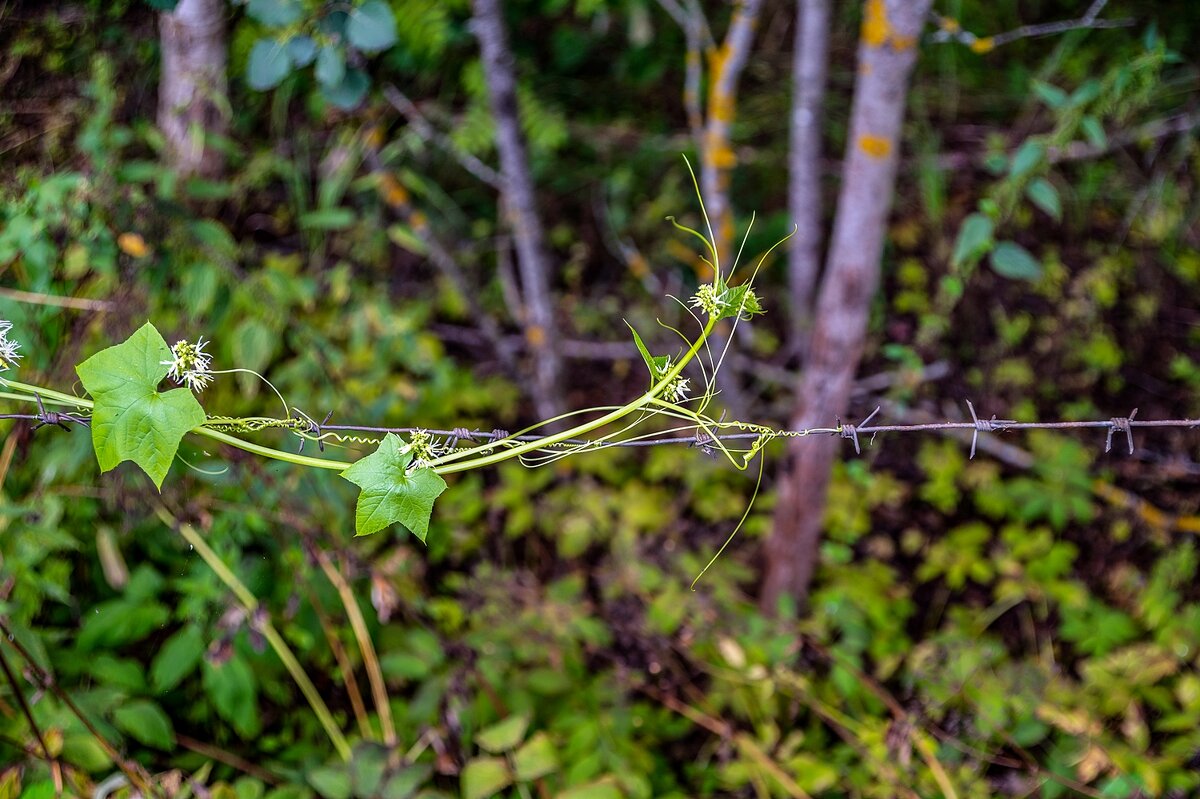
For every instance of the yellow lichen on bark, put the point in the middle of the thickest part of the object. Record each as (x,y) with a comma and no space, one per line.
(984,45)
(874,146)
(875,27)
(877,31)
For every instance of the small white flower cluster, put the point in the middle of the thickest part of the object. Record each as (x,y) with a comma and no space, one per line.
(677,390)
(190,365)
(421,446)
(709,299)
(9,349)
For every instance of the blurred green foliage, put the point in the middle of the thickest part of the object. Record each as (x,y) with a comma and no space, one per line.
(995,629)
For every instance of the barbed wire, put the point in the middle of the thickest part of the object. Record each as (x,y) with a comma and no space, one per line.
(311,430)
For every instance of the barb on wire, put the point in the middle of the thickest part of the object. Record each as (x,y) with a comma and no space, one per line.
(992,425)
(44,417)
(850,431)
(1124,424)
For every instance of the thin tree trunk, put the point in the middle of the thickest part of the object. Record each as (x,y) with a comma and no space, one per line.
(809,67)
(886,54)
(520,201)
(193,87)
(717,157)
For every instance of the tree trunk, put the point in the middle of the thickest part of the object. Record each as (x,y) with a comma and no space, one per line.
(717,158)
(809,67)
(193,87)
(886,54)
(521,205)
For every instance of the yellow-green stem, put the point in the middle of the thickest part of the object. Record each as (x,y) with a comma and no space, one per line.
(250,603)
(444,465)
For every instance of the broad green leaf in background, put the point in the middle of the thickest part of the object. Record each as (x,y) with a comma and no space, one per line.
(1011,260)
(390,493)
(604,788)
(503,736)
(536,758)
(275,13)
(368,764)
(233,692)
(331,66)
(146,723)
(1027,158)
(177,658)
(332,782)
(132,420)
(1042,193)
(371,26)
(351,91)
(974,239)
(484,777)
(268,65)
(302,50)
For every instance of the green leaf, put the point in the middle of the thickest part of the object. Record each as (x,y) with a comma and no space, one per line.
(1011,260)
(371,27)
(302,50)
(536,758)
(146,723)
(1094,132)
(504,735)
(390,493)
(275,13)
(43,789)
(656,364)
(350,92)
(600,789)
(327,219)
(405,782)
(974,240)
(367,766)
(177,658)
(1027,158)
(740,301)
(1052,96)
(118,622)
(268,65)
(132,421)
(484,777)
(332,782)
(231,688)
(1042,193)
(331,66)
(163,5)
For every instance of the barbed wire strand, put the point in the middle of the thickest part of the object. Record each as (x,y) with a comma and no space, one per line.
(851,432)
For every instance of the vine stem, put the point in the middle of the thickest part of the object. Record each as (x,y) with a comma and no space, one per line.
(447,465)
(250,603)
(217,435)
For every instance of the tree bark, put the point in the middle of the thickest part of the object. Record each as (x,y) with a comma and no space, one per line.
(521,205)
(810,65)
(717,158)
(886,55)
(193,87)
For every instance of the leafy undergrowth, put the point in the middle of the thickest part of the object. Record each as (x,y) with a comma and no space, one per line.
(975,629)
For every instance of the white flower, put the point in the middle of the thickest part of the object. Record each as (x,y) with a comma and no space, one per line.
(678,390)
(709,299)
(9,354)
(190,365)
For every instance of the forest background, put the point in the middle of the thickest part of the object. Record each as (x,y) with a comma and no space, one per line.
(437,214)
